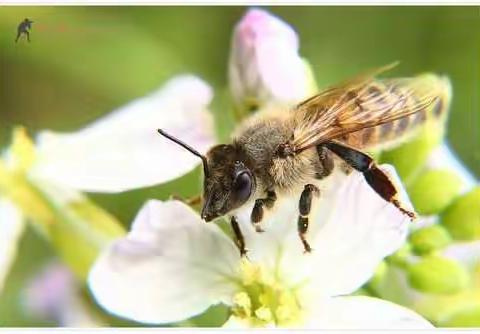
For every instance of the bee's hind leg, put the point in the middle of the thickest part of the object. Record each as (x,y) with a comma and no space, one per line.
(304,206)
(375,177)
(258,209)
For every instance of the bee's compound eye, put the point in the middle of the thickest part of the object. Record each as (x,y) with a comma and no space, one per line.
(242,186)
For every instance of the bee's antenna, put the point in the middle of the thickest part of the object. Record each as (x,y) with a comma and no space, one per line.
(187,147)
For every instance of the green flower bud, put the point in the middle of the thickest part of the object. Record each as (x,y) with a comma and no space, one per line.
(378,276)
(428,239)
(462,217)
(435,274)
(433,190)
(467,317)
(410,157)
(401,256)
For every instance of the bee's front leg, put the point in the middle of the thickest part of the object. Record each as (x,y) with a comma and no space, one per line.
(239,239)
(304,207)
(258,209)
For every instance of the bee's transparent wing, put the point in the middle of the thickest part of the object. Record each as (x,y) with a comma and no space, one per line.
(363,103)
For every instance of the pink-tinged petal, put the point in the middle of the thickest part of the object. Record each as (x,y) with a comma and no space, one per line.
(55,295)
(360,312)
(123,150)
(12,226)
(170,267)
(352,229)
(264,61)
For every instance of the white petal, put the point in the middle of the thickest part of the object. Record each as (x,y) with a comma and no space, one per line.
(12,226)
(443,157)
(170,267)
(351,230)
(264,60)
(362,230)
(123,150)
(362,312)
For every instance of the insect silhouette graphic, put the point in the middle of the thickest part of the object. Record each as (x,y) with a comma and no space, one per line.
(23,28)
(291,151)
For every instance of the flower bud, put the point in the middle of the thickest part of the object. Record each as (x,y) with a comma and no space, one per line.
(379,275)
(435,274)
(462,217)
(401,257)
(264,63)
(428,239)
(433,190)
(410,157)
(468,316)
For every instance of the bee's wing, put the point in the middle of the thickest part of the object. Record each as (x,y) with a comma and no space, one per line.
(362,103)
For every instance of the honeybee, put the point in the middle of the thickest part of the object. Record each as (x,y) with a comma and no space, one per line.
(274,153)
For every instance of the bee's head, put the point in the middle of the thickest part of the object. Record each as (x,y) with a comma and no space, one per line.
(228,182)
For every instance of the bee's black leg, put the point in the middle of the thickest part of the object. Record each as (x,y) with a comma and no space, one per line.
(239,240)
(376,178)
(257,212)
(304,206)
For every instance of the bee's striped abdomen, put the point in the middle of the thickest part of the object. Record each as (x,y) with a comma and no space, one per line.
(406,92)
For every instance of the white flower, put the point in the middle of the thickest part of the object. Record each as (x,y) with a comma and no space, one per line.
(264,63)
(172,266)
(11,229)
(123,150)
(119,152)
(55,295)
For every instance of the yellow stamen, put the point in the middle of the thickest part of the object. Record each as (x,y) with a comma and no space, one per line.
(264,313)
(264,299)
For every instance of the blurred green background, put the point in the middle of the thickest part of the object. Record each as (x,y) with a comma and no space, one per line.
(83,62)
